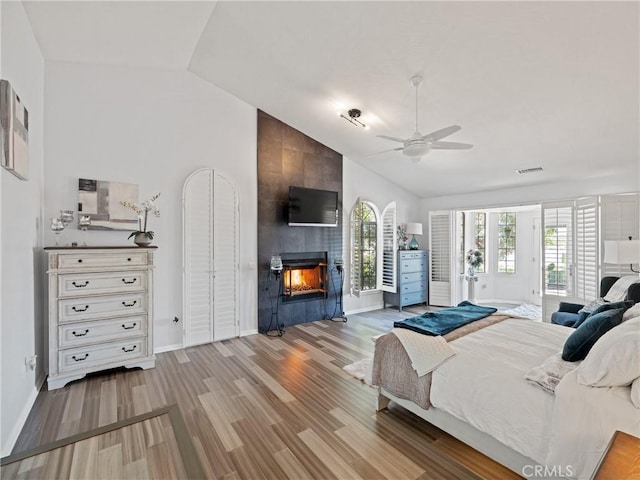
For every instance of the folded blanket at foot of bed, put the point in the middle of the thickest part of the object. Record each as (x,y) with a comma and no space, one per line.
(393,369)
(446,320)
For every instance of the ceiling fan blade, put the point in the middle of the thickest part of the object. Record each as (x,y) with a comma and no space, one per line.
(443,132)
(450,146)
(386,151)
(394,139)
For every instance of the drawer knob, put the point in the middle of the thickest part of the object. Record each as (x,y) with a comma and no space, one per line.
(75,334)
(78,285)
(78,359)
(79,260)
(125,350)
(129,282)
(129,328)
(80,309)
(129,304)
(128,259)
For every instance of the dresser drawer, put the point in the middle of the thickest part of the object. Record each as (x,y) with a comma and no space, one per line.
(413,287)
(76,284)
(413,265)
(410,255)
(82,358)
(412,298)
(77,309)
(101,260)
(413,277)
(85,333)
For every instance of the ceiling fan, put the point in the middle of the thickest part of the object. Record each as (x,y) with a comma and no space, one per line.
(418,144)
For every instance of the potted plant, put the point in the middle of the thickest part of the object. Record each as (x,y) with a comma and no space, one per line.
(142,236)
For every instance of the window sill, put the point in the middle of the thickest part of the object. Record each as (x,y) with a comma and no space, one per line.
(365,293)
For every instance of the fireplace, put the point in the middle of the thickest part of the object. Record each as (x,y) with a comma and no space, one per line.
(304,276)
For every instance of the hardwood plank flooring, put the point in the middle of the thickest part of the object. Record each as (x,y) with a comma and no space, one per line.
(255,407)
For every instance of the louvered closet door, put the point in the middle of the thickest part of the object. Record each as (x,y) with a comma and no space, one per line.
(440,224)
(389,247)
(210,258)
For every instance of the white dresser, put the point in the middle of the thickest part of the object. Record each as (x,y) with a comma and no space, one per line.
(100,310)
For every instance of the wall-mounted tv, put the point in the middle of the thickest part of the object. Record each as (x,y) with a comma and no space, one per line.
(310,207)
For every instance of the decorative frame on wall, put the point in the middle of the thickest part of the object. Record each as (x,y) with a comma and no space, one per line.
(101,200)
(14,119)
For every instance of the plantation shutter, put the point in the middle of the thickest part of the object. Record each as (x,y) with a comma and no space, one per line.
(356,253)
(389,247)
(210,265)
(440,245)
(586,221)
(620,218)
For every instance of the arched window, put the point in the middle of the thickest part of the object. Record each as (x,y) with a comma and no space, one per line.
(364,246)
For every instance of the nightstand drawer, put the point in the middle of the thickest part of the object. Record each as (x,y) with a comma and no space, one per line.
(413,277)
(81,284)
(77,309)
(85,357)
(85,333)
(101,260)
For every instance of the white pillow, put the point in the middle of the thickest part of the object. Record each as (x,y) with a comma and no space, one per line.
(635,393)
(614,360)
(631,313)
(618,290)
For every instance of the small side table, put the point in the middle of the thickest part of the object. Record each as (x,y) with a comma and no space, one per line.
(621,459)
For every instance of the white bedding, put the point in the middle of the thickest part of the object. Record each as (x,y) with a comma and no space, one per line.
(584,420)
(496,399)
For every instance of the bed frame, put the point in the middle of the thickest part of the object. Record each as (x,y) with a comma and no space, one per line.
(463,431)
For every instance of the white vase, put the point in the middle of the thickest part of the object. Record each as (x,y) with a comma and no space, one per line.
(141,240)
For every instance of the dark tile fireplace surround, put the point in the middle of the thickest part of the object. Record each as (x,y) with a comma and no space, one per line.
(287,157)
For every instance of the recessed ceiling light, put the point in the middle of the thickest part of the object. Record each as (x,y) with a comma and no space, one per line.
(528,170)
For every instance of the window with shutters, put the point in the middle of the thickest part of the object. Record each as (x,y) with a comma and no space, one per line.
(373,248)
(507,242)
(364,238)
(479,238)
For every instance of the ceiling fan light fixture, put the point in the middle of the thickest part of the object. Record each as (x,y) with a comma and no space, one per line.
(416,150)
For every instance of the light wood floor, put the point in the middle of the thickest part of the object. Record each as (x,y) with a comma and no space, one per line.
(259,407)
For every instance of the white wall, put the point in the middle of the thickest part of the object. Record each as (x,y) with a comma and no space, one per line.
(152,127)
(21,224)
(359,182)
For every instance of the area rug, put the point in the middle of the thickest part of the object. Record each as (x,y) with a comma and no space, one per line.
(152,445)
(362,370)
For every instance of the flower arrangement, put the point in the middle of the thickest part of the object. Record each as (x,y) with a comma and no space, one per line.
(402,236)
(143,209)
(474,258)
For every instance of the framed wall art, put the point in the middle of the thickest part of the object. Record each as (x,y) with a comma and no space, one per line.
(101,201)
(14,119)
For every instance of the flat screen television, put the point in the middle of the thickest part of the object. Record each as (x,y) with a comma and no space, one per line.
(310,207)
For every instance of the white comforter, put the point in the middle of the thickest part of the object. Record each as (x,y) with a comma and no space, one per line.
(496,399)
(584,420)
(569,430)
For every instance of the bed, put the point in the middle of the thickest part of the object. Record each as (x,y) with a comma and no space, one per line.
(480,396)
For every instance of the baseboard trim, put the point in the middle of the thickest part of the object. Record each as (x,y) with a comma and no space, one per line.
(22,418)
(168,348)
(249,332)
(365,309)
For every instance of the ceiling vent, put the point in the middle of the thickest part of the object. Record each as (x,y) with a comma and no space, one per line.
(529,170)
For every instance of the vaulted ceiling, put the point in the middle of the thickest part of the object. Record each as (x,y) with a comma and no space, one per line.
(551,84)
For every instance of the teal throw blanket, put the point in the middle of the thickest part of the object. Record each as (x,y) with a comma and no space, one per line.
(446,320)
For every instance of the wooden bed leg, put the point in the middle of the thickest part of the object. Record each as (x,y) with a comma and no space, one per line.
(383,402)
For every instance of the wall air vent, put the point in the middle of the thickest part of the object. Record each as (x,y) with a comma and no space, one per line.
(529,170)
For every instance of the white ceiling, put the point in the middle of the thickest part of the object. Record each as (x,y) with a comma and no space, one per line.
(551,84)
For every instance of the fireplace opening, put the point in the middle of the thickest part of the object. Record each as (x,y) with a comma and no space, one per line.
(304,276)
